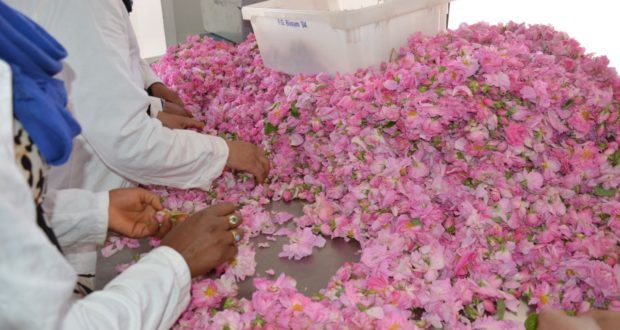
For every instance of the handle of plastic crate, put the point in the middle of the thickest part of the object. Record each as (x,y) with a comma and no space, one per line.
(382,11)
(344,19)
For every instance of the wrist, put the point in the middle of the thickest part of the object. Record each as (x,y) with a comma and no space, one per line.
(157,89)
(112,225)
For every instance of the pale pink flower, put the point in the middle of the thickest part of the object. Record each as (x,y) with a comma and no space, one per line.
(205,293)
(301,244)
(244,263)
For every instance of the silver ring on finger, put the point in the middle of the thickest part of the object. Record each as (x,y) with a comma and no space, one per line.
(236,236)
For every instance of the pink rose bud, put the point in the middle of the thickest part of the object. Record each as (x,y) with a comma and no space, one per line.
(489,306)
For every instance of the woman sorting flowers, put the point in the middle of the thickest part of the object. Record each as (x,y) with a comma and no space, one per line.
(40,246)
(120,144)
(125,139)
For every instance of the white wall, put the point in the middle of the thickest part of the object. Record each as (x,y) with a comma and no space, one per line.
(595,23)
(148,23)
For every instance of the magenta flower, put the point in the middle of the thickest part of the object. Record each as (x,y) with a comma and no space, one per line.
(516,134)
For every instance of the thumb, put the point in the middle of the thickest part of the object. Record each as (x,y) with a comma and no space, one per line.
(193,123)
(149,198)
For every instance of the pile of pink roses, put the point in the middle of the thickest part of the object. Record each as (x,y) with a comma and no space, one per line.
(477,170)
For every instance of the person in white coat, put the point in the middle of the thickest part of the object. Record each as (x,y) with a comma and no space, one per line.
(39,285)
(120,144)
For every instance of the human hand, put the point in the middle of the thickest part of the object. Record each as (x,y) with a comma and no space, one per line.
(550,319)
(132,213)
(163,92)
(207,238)
(175,109)
(606,320)
(179,122)
(247,157)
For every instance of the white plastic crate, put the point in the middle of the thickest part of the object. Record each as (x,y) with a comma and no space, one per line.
(311,36)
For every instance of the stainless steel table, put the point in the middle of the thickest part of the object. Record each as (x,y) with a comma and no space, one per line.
(312,273)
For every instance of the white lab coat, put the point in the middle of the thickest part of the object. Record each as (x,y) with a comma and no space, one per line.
(120,145)
(37,281)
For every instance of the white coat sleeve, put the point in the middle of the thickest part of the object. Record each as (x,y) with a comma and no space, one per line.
(151,294)
(148,75)
(111,108)
(37,282)
(77,216)
(156,106)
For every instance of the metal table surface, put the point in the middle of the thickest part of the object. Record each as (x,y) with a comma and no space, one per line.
(312,273)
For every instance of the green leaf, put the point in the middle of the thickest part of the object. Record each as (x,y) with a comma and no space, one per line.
(451,230)
(415,222)
(473,86)
(390,124)
(614,159)
(294,110)
(490,147)
(511,112)
(470,312)
(229,303)
(500,309)
(498,104)
(497,219)
(538,135)
(531,323)
(273,106)
(319,297)
(471,183)
(604,217)
(361,307)
(442,68)
(568,103)
(270,128)
(602,192)
(258,321)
